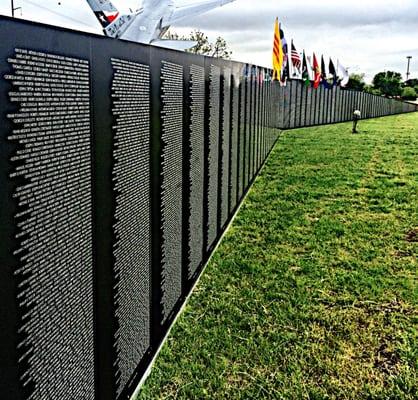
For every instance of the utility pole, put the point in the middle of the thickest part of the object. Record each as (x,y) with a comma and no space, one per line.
(14,8)
(409,64)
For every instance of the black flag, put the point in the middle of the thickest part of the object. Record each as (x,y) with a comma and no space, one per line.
(285,68)
(333,72)
(324,80)
(305,73)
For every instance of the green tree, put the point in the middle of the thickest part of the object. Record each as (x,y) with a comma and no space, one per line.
(356,82)
(204,47)
(389,83)
(220,49)
(409,93)
(370,89)
(413,83)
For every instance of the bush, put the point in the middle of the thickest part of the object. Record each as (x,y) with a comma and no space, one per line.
(409,93)
(370,89)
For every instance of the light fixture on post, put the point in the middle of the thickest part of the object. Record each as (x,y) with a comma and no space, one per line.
(409,64)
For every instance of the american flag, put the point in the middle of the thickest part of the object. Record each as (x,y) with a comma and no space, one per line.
(296,61)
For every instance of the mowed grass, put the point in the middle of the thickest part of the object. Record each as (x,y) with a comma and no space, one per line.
(313,294)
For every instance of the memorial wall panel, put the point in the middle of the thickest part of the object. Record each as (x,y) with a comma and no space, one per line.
(344,105)
(287,106)
(330,104)
(292,103)
(333,104)
(316,105)
(172,184)
(298,103)
(302,119)
(260,104)
(281,107)
(132,227)
(361,104)
(309,106)
(242,130)
(197,166)
(267,85)
(234,136)
(248,131)
(257,123)
(314,108)
(350,105)
(326,104)
(321,105)
(257,161)
(213,156)
(252,123)
(226,145)
(52,171)
(337,99)
(340,103)
(263,106)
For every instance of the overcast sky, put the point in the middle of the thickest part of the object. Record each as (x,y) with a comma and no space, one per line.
(366,35)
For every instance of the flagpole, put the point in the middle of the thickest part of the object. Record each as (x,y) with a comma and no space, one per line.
(291,69)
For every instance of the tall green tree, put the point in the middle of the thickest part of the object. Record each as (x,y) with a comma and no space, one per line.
(389,83)
(356,82)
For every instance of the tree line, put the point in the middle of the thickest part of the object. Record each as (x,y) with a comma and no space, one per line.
(387,83)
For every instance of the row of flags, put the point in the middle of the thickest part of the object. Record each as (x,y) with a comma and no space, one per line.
(305,68)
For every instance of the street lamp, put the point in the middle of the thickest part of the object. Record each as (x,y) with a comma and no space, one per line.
(409,64)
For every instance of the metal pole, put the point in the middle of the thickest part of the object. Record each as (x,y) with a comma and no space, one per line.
(15,8)
(409,64)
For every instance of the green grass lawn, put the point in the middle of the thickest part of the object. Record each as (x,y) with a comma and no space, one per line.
(313,294)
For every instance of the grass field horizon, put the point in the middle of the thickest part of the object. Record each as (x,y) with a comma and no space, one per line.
(313,293)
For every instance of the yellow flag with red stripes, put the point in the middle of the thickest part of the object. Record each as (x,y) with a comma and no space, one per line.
(278,54)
